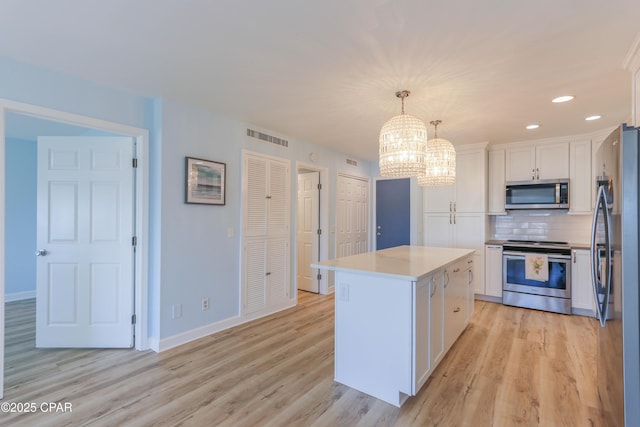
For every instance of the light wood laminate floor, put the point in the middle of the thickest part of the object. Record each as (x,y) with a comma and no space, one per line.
(510,367)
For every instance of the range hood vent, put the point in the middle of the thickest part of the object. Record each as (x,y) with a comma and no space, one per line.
(267,138)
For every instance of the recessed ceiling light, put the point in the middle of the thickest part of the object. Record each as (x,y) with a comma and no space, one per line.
(563,98)
(596,117)
(533,127)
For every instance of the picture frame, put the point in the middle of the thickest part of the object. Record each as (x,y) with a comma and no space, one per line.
(205,181)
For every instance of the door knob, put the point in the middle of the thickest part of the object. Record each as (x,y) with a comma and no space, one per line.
(378,234)
(41,252)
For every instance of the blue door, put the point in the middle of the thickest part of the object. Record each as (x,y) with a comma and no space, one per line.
(392,212)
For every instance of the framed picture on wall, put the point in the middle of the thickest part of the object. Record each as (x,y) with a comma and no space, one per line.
(205,181)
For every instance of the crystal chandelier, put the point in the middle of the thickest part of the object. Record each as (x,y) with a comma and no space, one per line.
(440,161)
(403,144)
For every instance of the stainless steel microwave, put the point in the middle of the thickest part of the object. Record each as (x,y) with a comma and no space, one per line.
(541,194)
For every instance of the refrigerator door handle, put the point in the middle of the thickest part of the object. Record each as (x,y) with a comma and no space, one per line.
(601,282)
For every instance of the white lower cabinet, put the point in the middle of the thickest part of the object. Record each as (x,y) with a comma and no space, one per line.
(436,318)
(455,302)
(493,270)
(581,288)
(429,331)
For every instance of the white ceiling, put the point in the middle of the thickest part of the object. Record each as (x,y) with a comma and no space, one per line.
(326,71)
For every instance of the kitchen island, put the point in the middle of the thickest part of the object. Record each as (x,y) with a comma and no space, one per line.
(397,313)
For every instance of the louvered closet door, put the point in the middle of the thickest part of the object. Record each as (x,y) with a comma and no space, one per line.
(278,217)
(266,275)
(277,281)
(255,295)
(256,196)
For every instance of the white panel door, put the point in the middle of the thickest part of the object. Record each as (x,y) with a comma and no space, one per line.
(352,207)
(85,227)
(361,224)
(308,226)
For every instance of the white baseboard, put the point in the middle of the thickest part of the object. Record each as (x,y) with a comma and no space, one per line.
(19,296)
(489,298)
(154,344)
(203,331)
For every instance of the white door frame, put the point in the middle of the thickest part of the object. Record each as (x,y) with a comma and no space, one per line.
(324,221)
(141,137)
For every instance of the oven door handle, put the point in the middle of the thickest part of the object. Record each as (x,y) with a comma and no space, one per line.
(550,256)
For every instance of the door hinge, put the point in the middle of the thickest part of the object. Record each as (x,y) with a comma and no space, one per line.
(319,276)
(134,241)
(319,231)
(134,162)
(133,319)
(319,186)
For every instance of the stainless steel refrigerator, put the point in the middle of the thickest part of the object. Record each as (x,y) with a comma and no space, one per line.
(614,266)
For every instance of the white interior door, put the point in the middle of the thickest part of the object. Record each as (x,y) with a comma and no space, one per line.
(307,234)
(352,207)
(84,291)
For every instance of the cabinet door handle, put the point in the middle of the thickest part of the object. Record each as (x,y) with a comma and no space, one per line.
(574,257)
(455,270)
(470,276)
(450,218)
(455,206)
(434,288)
(454,219)
(446,275)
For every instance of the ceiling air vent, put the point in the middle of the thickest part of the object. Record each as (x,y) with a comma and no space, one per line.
(267,138)
(352,162)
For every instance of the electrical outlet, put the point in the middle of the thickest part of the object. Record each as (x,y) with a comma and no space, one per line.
(205,304)
(176,311)
(344,292)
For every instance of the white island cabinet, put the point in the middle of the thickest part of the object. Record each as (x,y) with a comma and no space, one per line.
(397,311)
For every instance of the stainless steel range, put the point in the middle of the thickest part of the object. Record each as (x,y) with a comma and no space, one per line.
(549,292)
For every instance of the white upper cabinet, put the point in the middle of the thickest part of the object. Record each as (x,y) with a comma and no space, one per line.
(468,194)
(538,162)
(496,169)
(470,188)
(520,164)
(580,182)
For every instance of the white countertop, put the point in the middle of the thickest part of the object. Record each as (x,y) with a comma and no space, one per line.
(402,262)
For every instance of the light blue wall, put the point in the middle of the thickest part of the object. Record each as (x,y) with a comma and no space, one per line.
(20,219)
(190,255)
(197,258)
(37,86)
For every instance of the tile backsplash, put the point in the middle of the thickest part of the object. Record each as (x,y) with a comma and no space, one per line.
(541,225)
